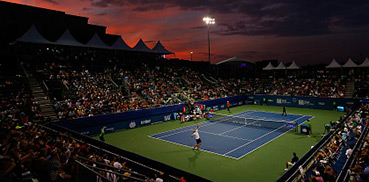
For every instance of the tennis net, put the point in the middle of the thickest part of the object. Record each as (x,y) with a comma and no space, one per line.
(272,124)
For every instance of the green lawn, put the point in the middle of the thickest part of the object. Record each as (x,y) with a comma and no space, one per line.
(264,164)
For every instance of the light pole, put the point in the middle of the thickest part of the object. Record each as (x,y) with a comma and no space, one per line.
(191,56)
(209,21)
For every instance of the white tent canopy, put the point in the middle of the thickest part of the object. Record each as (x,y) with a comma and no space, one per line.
(141,46)
(365,63)
(96,42)
(281,66)
(293,66)
(333,64)
(269,67)
(350,64)
(233,59)
(68,39)
(120,44)
(159,48)
(33,35)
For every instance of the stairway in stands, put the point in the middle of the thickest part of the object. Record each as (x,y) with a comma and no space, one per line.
(350,87)
(46,106)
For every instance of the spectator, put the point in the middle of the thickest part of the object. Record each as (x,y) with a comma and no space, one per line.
(292,162)
(349,151)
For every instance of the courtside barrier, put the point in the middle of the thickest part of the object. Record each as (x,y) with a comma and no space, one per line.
(298,169)
(303,102)
(132,119)
(137,162)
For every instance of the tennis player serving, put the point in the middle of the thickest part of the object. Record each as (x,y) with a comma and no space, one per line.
(197,137)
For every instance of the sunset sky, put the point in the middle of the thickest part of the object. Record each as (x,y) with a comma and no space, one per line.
(308,32)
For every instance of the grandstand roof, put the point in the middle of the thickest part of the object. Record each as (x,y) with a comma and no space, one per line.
(333,64)
(120,44)
(141,46)
(161,49)
(350,64)
(233,59)
(96,42)
(293,66)
(269,67)
(34,36)
(281,66)
(68,39)
(365,63)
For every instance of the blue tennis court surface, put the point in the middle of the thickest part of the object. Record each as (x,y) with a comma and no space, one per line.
(230,139)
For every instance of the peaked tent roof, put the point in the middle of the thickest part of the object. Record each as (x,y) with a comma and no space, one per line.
(120,44)
(96,42)
(350,64)
(33,35)
(68,39)
(161,49)
(333,64)
(233,59)
(269,67)
(141,46)
(293,66)
(365,63)
(281,66)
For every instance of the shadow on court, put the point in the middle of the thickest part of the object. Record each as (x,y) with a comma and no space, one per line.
(192,160)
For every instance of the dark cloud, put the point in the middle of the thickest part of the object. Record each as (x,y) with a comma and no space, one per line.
(100,14)
(145,8)
(86,9)
(52,2)
(264,17)
(249,54)
(108,3)
(199,27)
(169,40)
(220,57)
(305,18)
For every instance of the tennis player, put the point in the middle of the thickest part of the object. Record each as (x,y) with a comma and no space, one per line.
(284,111)
(197,137)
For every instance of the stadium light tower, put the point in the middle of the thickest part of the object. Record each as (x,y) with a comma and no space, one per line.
(209,21)
(191,55)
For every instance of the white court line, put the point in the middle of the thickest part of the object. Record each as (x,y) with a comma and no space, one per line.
(225,155)
(281,113)
(259,138)
(183,130)
(191,148)
(245,113)
(268,141)
(271,119)
(232,130)
(262,145)
(297,118)
(253,140)
(227,136)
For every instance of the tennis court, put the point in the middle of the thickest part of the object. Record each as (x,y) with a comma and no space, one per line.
(237,135)
(269,159)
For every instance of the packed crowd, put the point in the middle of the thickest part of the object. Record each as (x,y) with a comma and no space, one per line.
(352,128)
(93,93)
(98,83)
(360,171)
(30,151)
(312,87)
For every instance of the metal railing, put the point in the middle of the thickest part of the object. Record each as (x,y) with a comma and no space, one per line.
(298,170)
(345,173)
